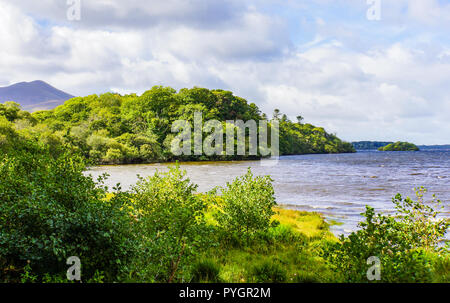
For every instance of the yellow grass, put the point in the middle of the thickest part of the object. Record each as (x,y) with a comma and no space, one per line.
(310,224)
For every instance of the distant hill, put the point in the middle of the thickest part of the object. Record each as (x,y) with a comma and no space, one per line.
(35,95)
(369,145)
(434,147)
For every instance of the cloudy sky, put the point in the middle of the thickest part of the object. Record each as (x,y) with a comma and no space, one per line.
(363,79)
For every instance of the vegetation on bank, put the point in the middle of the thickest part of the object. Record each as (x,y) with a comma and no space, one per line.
(399,146)
(162,230)
(369,145)
(112,129)
(406,243)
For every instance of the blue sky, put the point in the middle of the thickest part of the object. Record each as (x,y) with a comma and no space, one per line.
(323,59)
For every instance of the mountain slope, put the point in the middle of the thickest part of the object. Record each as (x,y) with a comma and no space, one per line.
(35,95)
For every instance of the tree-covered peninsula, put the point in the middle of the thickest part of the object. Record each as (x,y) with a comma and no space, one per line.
(369,145)
(399,146)
(114,129)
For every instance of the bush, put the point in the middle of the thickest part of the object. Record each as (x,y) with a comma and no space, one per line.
(246,205)
(171,224)
(406,243)
(50,211)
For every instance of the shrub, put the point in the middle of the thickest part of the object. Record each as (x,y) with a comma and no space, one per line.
(405,242)
(50,211)
(171,224)
(246,205)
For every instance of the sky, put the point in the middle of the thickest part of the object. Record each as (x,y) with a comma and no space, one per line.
(361,70)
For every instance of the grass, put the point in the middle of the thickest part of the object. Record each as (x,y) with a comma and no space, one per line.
(310,224)
(287,252)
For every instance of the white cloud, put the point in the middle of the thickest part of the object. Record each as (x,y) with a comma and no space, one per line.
(138,13)
(385,95)
(431,12)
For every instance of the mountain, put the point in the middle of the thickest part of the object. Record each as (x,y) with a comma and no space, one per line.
(35,95)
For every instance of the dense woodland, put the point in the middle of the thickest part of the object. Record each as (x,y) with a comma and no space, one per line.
(369,145)
(112,129)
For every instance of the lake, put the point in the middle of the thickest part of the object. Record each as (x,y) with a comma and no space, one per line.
(337,185)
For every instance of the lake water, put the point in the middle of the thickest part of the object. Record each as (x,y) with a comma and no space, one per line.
(339,186)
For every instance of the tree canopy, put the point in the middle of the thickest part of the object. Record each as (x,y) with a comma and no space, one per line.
(399,146)
(112,128)
(369,145)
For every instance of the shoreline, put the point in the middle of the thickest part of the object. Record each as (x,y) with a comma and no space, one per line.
(213,160)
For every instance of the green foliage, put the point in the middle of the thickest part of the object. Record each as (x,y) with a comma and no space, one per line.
(246,205)
(50,211)
(162,230)
(112,129)
(170,221)
(399,146)
(406,243)
(281,233)
(294,254)
(268,271)
(441,272)
(205,271)
(298,138)
(12,112)
(369,145)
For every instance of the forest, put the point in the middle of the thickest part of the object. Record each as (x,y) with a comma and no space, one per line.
(115,129)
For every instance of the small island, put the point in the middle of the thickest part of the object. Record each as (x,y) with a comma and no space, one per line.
(399,146)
